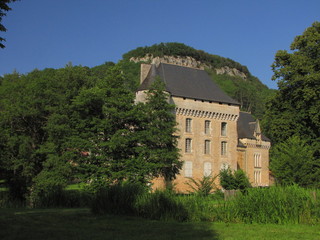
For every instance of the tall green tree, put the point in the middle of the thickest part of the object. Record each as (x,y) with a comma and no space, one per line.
(295,109)
(160,136)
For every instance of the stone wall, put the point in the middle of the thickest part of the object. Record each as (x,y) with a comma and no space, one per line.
(193,109)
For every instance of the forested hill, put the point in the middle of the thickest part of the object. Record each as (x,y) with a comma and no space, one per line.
(232,77)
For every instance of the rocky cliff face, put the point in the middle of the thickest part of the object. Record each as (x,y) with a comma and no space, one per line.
(189,62)
(231,71)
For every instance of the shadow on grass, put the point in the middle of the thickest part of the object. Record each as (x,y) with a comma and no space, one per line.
(81,224)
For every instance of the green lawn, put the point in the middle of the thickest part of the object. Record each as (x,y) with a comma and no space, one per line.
(81,224)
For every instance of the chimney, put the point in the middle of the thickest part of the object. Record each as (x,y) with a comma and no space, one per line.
(145,68)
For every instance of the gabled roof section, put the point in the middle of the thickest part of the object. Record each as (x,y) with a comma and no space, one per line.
(186,82)
(247,126)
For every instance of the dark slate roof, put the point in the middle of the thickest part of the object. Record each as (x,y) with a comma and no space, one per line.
(186,82)
(246,126)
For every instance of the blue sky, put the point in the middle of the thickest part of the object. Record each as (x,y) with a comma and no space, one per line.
(50,33)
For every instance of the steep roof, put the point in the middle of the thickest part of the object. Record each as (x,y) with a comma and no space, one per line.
(247,125)
(186,82)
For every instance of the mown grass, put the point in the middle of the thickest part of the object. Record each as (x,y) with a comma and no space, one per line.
(82,224)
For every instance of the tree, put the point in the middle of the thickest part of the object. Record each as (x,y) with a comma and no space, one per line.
(295,109)
(292,162)
(34,122)
(115,140)
(103,144)
(3,9)
(159,138)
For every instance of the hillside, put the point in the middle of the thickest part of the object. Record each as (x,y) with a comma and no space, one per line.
(232,77)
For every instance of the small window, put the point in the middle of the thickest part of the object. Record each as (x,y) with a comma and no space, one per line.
(188,125)
(207,146)
(188,169)
(188,145)
(207,169)
(207,125)
(257,160)
(257,176)
(223,129)
(223,148)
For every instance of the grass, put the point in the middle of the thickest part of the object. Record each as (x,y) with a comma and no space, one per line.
(82,224)
(280,205)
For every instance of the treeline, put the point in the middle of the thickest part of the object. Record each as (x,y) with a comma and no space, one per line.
(81,124)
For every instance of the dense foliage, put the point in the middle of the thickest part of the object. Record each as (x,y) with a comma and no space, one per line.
(78,123)
(295,110)
(293,161)
(234,180)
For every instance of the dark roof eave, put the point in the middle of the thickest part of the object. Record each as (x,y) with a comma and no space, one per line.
(207,100)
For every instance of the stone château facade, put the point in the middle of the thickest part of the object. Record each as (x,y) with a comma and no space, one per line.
(213,132)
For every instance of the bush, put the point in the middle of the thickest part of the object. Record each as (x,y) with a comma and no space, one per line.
(234,180)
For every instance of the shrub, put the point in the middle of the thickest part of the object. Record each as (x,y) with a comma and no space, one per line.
(204,186)
(234,180)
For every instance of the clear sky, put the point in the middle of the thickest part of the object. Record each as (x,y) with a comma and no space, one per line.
(50,33)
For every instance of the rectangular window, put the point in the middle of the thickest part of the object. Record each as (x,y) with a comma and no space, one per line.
(257,160)
(188,169)
(257,176)
(188,125)
(207,169)
(207,146)
(207,124)
(223,148)
(188,145)
(224,129)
